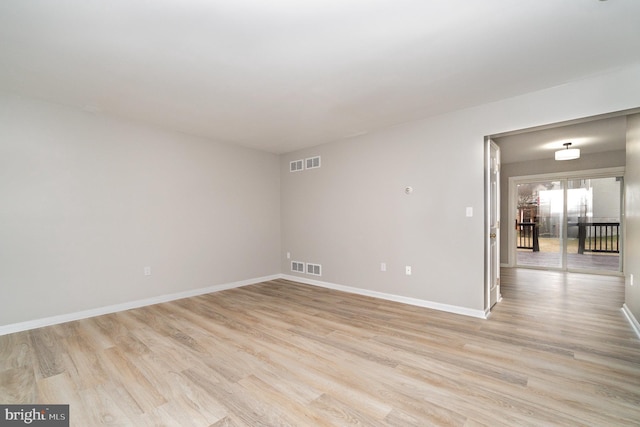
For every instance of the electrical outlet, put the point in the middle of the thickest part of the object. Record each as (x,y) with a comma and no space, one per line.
(288,255)
(147,271)
(407,270)
(383,266)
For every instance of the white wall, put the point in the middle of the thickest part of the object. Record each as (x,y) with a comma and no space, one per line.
(632,211)
(352,214)
(86,202)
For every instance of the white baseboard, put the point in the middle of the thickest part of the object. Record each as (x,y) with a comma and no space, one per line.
(397,298)
(63,318)
(632,319)
(54,320)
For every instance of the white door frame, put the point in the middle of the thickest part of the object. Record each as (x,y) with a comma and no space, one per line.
(492,235)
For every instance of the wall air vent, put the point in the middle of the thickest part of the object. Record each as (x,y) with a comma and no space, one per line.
(296,165)
(297,266)
(314,269)
(313,162)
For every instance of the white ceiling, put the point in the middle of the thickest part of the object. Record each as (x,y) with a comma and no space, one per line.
(279,75)
(591,137)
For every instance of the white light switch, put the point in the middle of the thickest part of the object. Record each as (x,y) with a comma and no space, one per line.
(469,211)
(383,266)
(407,270)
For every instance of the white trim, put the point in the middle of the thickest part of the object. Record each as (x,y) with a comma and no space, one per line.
(63,318)
(587,173)
(488,267)
(632,319)
(390,297)
(511,233)
(487,226)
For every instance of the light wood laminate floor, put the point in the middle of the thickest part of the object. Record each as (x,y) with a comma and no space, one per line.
(556,351)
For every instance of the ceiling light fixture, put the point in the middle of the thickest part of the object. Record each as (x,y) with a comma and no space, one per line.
(568,153)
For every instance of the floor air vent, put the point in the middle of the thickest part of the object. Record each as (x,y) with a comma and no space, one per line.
(314,269)
(297,266)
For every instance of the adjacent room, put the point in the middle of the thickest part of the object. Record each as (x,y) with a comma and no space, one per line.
(242,213)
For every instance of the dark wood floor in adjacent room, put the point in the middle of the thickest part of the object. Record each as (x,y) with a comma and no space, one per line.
(556,351)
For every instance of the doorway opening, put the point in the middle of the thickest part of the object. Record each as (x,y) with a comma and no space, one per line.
(529,153)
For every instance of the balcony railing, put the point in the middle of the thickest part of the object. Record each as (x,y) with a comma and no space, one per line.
(598,237)
(528,236)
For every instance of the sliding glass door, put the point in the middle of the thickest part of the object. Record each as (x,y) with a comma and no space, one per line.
(540,224)
(593,208)
(569,223)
